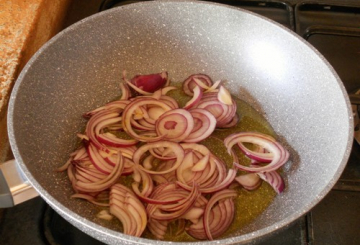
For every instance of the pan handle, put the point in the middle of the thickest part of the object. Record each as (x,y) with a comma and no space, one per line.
(14,187)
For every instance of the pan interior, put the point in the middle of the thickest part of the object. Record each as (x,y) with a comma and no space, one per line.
(267,66)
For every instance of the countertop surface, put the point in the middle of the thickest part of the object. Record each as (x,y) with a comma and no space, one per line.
(25,25)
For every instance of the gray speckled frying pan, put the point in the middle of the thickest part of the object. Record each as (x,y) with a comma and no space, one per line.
(266,65)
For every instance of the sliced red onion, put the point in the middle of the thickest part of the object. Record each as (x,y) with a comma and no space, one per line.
(227,211)
(88,175)
(104,214)
(201,84)
(80,153)
(220,218)
(193,214)
(204,125)
(213,87)
(111,140)
(167,89)
(249,181)
(98,160)
(195,99)
(189,84)
(90,198)
(117,106)
(176,148)
(128,167)
(154,198)
(105,183)
(223,113)
(201,164)
(174,211)
(133,86)
(224,96)
(158,228)
(213,200)
(225,183)
(280,154)
(259,154)
(155,112)
(128,209)
(168,176)
(274,179)
(125,91)
(157,94)
(95,124)
(82,136)
(150,83)
(175,125)
(65,166)
(207,178)
(232,123)
(145,181)
(163,153)
(129,112)
(169,101)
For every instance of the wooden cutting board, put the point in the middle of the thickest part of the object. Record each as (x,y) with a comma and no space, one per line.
(25,25)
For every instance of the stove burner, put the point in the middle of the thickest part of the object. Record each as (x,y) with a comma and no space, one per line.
(281,12)
(355,102)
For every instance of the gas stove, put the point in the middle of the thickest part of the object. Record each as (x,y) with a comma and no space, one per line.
(334,30)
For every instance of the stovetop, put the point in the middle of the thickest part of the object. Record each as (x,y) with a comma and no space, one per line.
(334,30)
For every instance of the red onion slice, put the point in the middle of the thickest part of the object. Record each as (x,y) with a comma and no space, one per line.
(213,200)
(225,183)
(129,112)
(274,179)
(204,125)
(169,101)
(111,140)
(145,180)
(232,123)
(105,183)
(95,124)
(193,214)
(189,84)
(220,219)
(125,91)
(224,96)
(280,154)
(90,198)
(259,154)
(166,89)
(175,125)
(154,199)
(150,83)
(223,113)
(176,148)
(128,209)
(117,106)
(98,160)
(195,99)
(157,228)
(174,211)
(249,181)
(213,87)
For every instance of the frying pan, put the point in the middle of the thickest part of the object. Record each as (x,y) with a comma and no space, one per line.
(280,75)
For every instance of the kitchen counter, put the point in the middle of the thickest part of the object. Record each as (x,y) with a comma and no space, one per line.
(25,25)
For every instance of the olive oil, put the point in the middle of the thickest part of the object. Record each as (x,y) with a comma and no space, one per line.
(248,204)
